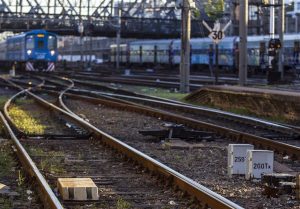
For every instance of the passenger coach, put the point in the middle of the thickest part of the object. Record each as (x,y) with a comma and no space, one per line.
(33,51)
(167,52)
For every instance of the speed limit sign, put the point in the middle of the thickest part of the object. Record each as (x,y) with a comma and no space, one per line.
(216,34)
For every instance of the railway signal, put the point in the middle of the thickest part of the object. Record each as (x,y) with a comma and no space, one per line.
(275,43)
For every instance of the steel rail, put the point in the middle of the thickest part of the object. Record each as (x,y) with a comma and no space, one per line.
(259,142)
(251,120)
(205,196)
(235,135)
(47,196)
(192,108)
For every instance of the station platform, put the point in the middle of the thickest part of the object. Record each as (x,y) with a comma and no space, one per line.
(286,93)
(271,104)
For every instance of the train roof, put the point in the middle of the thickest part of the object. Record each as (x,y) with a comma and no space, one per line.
(154,41)
(295,36)
(29,33)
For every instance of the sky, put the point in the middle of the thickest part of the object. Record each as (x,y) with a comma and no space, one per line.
(44,4)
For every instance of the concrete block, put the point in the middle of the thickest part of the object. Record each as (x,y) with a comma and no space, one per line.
(77,189)
(259,162)
(237,154)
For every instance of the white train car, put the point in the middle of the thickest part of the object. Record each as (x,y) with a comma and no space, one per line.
(167,52)
(124,53)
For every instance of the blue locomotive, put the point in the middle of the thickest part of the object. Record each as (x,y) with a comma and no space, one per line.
(34,50)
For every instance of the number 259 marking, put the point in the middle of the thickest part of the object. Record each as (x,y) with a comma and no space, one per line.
(217,35)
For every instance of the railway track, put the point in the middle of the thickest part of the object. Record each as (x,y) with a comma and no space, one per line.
(207,197)
(267,129)
(161,77)
(286,133)
(122,105)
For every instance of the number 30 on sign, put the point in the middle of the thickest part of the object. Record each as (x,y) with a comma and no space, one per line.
(217,35)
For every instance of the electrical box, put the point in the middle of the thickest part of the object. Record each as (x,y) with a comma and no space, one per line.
(237,154)
(259,162)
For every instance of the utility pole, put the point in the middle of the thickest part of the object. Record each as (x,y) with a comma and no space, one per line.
(185,46)
(272,19)
(118,36)
(271,31)
(91,39)
(80,30)
(281,32)
(243,32)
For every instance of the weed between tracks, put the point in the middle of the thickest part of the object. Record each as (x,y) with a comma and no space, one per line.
(243,111)
(19,194)
(26,122)
(6,161)
(152,91)
(3,99)
(50,161)
(163,93)
(122,204)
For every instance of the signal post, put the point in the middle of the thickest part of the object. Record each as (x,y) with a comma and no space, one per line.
(216,34)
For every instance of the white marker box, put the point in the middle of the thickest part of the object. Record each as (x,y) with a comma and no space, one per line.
(259,162)
(237,154)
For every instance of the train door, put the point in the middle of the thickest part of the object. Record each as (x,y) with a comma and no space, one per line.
(296,52)
(141,55)
(127,54)
(155,54)
(236,56)
(40,42)
(262,56)
(171,54)
(296,56)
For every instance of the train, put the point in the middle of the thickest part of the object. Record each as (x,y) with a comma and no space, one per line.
(167,53)
(34,50)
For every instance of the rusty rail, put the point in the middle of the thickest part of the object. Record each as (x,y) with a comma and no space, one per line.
(235,135)
(46,194)
(206,197)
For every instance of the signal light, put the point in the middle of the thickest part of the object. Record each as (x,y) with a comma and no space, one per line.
(274,43)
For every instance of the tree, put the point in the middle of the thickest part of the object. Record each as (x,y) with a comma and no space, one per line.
(214,8)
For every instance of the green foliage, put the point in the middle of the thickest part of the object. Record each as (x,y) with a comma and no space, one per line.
(3,99)
(21,178)
(5,203)
(214,8)
(163,93)
(196,13)
(37,151)
(122,204)
(6,161)
(52,165)
(25,122)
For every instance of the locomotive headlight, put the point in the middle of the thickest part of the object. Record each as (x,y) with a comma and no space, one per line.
(29,52)
(52,52)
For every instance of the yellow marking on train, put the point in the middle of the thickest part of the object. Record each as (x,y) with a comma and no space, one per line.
(40,35)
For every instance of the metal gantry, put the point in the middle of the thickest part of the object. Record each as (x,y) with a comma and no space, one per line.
(140,18)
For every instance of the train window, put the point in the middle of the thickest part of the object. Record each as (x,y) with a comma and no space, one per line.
(262,47)
(51,42)
(29,42)
(296,46)
(40,44)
